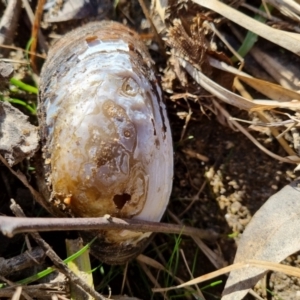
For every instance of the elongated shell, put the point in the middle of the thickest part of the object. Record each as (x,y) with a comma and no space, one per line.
(105,131)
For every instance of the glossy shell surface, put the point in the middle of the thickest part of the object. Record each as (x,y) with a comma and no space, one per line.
(106,137)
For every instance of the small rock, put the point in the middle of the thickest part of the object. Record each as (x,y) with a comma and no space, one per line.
(18,138)
(235,207)
(6,72)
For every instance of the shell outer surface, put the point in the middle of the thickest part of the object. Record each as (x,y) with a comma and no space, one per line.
(106,137)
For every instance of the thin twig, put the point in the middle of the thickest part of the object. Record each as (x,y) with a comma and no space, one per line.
(35,30)
(194,199)
(11,225)
(30,14)
(43,56)
(200,295)
(12,284)
(268,124)
(251,138)
(157,36)
(214,258)
(151,277)
(57,261)
(22,261)
(38,291)
(9,21)
(124,278)
(212,26)
(263,117)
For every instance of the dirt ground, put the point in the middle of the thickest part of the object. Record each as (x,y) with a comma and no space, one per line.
(220,180)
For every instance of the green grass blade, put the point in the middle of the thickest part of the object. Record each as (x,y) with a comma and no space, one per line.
(24,86)
(218,282)
(172,265)
(251,38)
(28,48)
(81,266)
(23,103)
(51,269)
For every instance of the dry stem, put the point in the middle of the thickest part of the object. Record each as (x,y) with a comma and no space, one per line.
(11,225)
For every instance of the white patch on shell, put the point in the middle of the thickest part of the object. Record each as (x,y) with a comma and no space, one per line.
(98,46)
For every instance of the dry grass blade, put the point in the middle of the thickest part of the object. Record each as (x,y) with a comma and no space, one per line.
(279,71)
(155,264)
(238,101)
(81,266)
(14,286)
(200,295)
(39,291)
(289,8)
(23,50)
(287,40)
(17,294)
(150,276)
(264,118)
(35,31)
(41,38)
(151,262)
(263,265)
(214,258)
(231,98)
(289,159)
(204,277)
(271,90)
(276,267)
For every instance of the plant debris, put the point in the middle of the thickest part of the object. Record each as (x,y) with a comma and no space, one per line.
(18,138)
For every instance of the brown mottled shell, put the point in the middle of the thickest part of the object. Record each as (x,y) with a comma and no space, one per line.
(106,137)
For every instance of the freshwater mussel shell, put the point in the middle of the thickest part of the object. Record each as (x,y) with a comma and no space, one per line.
(105,133)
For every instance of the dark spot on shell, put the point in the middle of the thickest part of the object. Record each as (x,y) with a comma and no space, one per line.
(121,200)
(70,58)
(154,130)
(157,144)
(131,47)
(120,119)
(160,101)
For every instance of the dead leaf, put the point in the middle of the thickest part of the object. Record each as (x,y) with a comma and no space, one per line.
(272,235)
(18,138)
